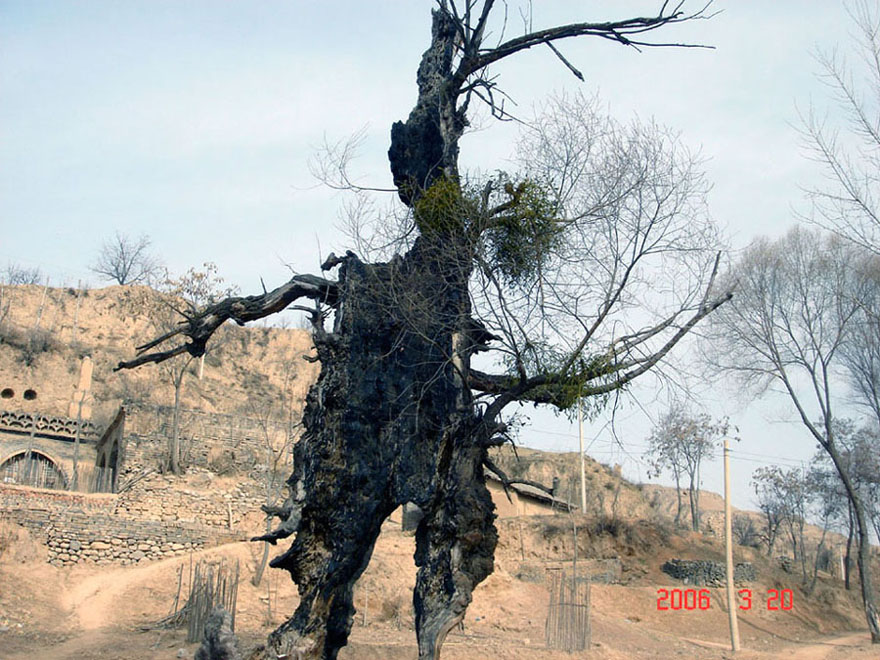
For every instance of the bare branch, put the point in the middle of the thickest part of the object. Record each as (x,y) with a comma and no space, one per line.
(625,32)
(241,310)
(570,66)
(507,482)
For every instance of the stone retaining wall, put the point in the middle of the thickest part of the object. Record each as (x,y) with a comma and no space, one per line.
(163,498)
(707,573)
(603,571)
(84,528)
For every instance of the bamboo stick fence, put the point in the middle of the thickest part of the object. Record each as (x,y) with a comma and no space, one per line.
(568,617)
(211,584)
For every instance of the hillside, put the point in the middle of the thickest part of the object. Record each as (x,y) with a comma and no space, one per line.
(100,611)
(103,612)
(45,332)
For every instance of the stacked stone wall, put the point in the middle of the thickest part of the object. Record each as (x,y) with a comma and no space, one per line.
(707,573)
(163,498)
(87,528)
(157,515)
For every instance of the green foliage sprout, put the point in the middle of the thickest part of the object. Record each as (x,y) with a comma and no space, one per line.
(442,209)
(522,239)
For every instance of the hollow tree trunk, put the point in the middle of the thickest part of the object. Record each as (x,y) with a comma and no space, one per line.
(387,423)
(391,419)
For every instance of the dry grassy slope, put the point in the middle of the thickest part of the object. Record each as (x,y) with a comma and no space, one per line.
(41,350)
(609,494)
(246,366)
(96,611)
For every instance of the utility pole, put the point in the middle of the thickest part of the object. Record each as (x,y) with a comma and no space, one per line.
(728,547)
(581,459)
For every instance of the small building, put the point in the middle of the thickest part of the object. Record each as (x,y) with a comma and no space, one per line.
(523,499)
(41,447)
(516,500)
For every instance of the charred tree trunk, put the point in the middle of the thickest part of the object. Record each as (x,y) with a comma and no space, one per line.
(391,418)
(389,421)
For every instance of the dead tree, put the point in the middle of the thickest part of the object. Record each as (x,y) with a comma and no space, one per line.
(397,414)
(125,260)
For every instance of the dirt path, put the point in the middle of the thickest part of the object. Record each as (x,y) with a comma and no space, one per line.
(838,647)
(92,599)
(103,606)
(853,645)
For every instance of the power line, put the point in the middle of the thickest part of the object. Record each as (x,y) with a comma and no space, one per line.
(760,462)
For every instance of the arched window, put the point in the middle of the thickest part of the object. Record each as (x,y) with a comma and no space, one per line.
(30,395)
(32,469)
(7,393)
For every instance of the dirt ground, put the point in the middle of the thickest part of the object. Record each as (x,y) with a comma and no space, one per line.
(103,612)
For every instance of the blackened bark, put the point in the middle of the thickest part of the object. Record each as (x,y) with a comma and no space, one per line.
(455,548)
(389,421)
(426,146)
(391,417)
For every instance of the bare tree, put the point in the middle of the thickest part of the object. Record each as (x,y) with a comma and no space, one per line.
(164,318)
(190,291)
(18,274)
(680,442)
(860,350)
(847,143)
(787,489)
(787,325)
(127,260)
(744,531)
(198,288)
(860,355)
(773,511)
(860,451)
(826,505)
(398,414)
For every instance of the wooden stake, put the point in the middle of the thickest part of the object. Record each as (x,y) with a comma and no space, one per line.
(728,547)
(581,460)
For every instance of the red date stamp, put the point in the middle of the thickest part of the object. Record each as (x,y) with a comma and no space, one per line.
(701,599)
(777,599)
(683,599)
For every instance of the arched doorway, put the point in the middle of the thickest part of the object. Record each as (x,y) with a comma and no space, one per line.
(32,469)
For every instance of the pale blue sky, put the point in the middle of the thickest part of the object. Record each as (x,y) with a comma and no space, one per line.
(193,122)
